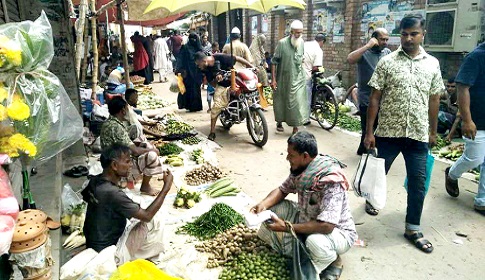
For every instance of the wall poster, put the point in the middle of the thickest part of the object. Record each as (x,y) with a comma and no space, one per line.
(386,14)
(264,23)
(254,25)
(329,21)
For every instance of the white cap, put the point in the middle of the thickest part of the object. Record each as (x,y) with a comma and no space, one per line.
(235,30)
(296,24)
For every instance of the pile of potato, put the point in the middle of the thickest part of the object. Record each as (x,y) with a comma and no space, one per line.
(202,175)
(231,243)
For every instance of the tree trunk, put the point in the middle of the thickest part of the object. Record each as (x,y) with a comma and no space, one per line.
(86,52)
(80,27)
(123,43)
(95,49)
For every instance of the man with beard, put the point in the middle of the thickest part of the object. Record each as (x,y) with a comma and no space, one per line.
(366,58)
(406,89)
(322,216)
(238,48)
(288,80)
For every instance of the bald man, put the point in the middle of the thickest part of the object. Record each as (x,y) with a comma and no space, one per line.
(366,58)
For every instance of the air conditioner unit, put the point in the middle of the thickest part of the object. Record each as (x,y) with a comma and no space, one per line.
(454,26)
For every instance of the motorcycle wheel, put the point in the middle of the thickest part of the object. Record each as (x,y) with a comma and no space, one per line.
(225,120)
(325,108)
(258,128)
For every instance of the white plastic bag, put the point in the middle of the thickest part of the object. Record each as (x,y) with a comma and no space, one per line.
(370,182)
(101,266)
(74,267)
(69,199)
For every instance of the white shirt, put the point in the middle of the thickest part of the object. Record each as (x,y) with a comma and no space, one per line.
(313,57)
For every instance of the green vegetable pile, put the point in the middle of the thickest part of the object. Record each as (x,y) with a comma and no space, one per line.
(186,198)
(218,219)
(177,127)
(191,140)
(148,101)
(170,149)
(440,143)
(349,123)
(256,267)
(197,156)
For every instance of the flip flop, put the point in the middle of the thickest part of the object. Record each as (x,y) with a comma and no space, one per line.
(451,185)
(419,241)
(331,273)
(280,128)
(73,172)
(212,136)
(369,209)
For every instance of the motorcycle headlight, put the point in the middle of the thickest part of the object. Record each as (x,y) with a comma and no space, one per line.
(251,85)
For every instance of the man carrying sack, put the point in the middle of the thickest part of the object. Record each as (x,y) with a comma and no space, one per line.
(321,218)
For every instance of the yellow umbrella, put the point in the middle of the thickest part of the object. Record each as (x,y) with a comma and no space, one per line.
(181,5)
(217,7)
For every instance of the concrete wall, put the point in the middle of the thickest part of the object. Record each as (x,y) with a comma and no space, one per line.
(337,49)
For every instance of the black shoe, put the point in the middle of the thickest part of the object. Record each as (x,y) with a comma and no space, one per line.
(212,136)
(451,185)
(307,123)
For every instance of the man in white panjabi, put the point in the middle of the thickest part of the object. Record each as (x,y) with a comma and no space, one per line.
(163,64)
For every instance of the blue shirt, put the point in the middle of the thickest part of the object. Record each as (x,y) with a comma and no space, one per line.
(472,73)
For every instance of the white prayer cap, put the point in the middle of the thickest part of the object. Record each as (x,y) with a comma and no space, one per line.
(235,30)
(296,24)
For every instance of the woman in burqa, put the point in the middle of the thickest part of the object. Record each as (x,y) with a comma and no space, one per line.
(191,99)
(257,52)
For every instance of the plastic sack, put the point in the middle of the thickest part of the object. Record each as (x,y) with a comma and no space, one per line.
(429,170)
(8,203)
(34,106)
(102,266)
(7,226)
(139,270)
(75,266)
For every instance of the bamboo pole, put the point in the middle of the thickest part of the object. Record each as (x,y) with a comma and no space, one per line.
(86,52)
(105,7)
(80,27)
(95,50)
(123,42)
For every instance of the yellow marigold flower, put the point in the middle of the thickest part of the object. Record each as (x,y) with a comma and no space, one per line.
(18,110)
(6,148)
(14,57)
(21,143)
(3,93)
(3,113)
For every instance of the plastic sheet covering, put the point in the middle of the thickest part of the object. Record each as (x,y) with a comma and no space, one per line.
(50,122)
(40,257)
(8,203)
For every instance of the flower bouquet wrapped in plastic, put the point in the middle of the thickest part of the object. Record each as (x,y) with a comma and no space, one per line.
(37,117)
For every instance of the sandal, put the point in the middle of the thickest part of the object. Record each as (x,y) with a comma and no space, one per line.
(212,136)
(451,185)
(73,172)
(418,240)
(369,209)
(331,273)
(279,127)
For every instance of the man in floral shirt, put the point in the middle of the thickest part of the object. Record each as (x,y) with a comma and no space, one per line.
(322,216)
(407,85)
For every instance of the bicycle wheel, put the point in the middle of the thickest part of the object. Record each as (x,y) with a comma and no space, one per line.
(325,108)
(257,126)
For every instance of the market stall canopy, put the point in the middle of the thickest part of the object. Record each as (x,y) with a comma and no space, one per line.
(217,7)
(136,14)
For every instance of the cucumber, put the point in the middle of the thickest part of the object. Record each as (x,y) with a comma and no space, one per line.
(223,191)
(219,184)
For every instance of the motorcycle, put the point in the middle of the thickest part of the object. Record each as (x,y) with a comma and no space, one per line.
(324,104)
(244,105)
